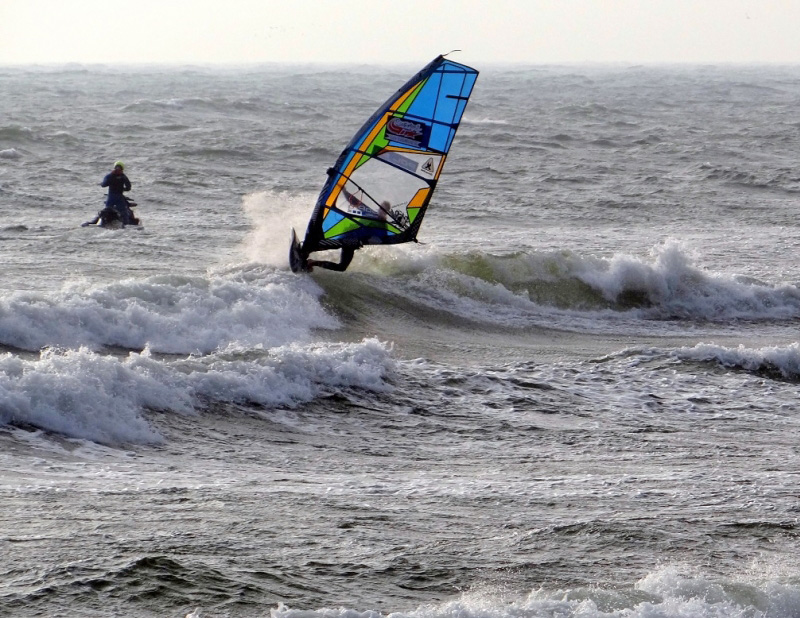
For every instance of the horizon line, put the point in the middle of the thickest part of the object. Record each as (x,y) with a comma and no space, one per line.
(377,64)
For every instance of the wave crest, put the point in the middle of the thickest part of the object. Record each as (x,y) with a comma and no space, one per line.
(667,285)
(780,362)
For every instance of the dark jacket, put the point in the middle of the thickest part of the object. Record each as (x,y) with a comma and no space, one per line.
(116,183)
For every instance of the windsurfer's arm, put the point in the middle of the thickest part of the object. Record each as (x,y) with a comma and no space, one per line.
(105,181)
(126,184)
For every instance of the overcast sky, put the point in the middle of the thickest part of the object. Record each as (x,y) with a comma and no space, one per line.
(399,31)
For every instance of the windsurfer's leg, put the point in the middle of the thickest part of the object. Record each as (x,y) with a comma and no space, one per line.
(346,258)
(311,264)
(344,262)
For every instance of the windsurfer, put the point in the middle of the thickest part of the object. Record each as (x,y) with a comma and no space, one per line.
(383,210)
(380,186)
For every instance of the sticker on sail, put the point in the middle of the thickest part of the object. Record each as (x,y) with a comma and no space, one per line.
(409,132)
(395,158)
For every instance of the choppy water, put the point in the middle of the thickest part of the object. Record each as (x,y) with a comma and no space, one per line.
(577,397)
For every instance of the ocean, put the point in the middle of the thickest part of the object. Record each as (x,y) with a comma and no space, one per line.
(576,396)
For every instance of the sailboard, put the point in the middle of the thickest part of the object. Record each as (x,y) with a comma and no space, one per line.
(380,186)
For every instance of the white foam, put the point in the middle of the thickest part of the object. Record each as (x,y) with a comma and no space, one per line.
(272,215)
(82,394)
(79,394)
(289,374)
(667,593)
(782,359)
(575,292)
(249,331)
(674,286)
(172,314)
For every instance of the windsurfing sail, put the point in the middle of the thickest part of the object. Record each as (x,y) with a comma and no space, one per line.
(380,186)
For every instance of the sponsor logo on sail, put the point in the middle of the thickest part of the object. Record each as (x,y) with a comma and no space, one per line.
(407,131)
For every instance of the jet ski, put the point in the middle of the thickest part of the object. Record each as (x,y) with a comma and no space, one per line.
(110,218)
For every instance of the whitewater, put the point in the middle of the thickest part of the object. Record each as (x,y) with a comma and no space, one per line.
(575,396)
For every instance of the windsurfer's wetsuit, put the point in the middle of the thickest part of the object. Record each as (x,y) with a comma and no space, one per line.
(117,183)
(344,261)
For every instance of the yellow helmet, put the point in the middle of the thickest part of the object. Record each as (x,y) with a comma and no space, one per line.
(119,164)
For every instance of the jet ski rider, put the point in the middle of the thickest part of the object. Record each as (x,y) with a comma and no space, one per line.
(117,182)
